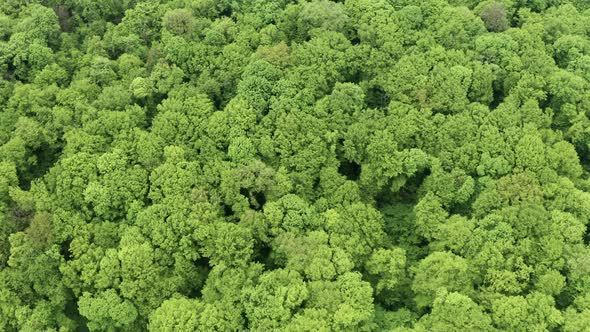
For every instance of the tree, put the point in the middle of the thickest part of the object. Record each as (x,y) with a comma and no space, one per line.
(311,255)
(534,311)
(440,270)
(182,314)
(346,302)
(389,266)
(494,17)
(107,311)
(322,14)
(179,22)
(271,303)
(229,244)
(455,312)
(357,229)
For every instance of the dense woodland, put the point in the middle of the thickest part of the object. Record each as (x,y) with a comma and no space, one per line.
(292,165)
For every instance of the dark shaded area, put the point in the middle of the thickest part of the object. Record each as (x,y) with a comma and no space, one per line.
(260,199)
(408,193)
(244,192)
(203,261)
(400,225)
(498,99)
(46,157)
(151,107)
(256,199)
(65,250)
(350,169)
(9,73)
(227,210)
(22,215)
(204,267)
(71,311)
(376,97)
(227,11)
(397,209)
(263,255)
(117,19)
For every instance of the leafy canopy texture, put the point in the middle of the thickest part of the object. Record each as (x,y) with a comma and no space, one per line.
(294,165)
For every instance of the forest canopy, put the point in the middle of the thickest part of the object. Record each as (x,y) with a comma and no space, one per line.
(294,165)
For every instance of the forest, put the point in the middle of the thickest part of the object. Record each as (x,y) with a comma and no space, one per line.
(294,165)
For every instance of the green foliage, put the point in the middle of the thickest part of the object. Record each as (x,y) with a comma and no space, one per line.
(182,314)
(494,17)
(440,270)
(455,312)
(271,303)
(317,165)
(106,311)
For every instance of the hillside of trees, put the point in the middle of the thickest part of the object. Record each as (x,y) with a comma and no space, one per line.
(294,165)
